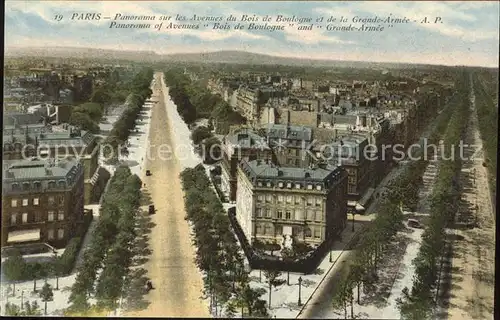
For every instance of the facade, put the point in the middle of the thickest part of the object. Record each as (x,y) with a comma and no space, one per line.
(42,201)
(352,153)
(247,102)
(242,143)
(290,144)
(58,142)
(277,204)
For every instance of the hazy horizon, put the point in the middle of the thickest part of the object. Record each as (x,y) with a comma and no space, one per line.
(468,36)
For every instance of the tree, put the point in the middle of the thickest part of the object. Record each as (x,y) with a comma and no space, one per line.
(14,267)
(57,269)
(288,254)
(46,294)
(200,134)
(341,297)
(273,281)
(94,110)
(84,121)
(30,309)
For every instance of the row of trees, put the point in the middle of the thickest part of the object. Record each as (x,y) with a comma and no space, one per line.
(487,114)
(110,249)
(194,102)
(140,91)
(419,303)
(400,192)
(218,255)
(88,115)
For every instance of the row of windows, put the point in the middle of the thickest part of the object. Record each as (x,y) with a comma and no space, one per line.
(37,185)
(35,217)
(289,214)
(60,234)
(310,200)
(268,230)
(51,200)
(289,185)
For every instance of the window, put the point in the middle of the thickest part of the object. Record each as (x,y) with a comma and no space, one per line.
(297,199)
(25,218)
(60,200)
(25,202)
(269,198)
(317,216)
(317,233)
(38,217)
(298,215)
(280,198)
(288,199)
(318,187)
(279,214)
(289,185)
(307,232)
(36,201)
(37,185)
(259,183)
(297,163)
(60,216)
(309,215)
(267,229)
(50,216)
(52,185)
(15,187)
(318,202)
(268,184)
(13,218)
(13,203)
(50,234)
(309,187)
(268,213)
(26,186)
(51,200)
(278,230)
(309,201)
(258,229)
(288,215)
(60,234)
(258,212)
(260,198)
(280,184)
(297,186)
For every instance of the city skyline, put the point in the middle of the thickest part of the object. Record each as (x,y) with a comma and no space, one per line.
(467,36)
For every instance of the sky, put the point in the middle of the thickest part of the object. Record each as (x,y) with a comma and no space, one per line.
(467,33)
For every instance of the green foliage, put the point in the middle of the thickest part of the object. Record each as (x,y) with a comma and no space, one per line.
(444,200)
(194,101)
(14,268)
(30,309)
(84,121)
(487,114)
(139,92)
(217,254)
(110,247)
(199,134)
(92,109)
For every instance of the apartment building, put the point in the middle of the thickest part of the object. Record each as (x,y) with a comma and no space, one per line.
(59,142)
(276,204)
(290,144)
(241,143)
(42,201)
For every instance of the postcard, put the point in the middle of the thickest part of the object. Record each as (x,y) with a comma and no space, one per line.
(234,159)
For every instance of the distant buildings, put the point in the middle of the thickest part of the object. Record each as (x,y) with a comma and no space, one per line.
(276,204)
(42,201)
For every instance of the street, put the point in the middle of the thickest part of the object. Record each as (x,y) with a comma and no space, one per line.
(176,280)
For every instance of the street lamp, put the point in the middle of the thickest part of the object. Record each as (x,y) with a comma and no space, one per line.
(22,302)
(300,289)
(331,255)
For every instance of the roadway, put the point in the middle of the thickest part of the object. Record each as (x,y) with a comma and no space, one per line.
(177,282)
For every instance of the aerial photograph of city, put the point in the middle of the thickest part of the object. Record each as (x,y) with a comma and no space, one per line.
(236,159)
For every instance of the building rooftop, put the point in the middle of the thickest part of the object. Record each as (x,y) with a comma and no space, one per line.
(38,175)
(258,169)
(282,131)
(247,138)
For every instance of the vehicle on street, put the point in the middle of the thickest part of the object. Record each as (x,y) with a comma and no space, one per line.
(148,173)
(152,209)
(413,223)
